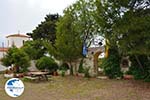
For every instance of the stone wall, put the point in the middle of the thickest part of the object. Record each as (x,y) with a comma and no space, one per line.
(90,61)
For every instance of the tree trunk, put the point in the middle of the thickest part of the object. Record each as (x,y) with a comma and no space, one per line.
(71,69)
(17,69)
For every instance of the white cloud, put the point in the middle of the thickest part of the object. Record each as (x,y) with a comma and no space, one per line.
(53,5)
(25,15)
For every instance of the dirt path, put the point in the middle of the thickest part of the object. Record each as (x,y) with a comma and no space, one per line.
(75,88)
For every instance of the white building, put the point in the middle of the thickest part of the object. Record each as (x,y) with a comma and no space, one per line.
(13,39)
(17,40)
(3,52)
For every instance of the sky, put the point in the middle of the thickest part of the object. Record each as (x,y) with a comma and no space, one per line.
(22,16)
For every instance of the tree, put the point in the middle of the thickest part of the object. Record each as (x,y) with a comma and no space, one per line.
(46,30)
(76,28)
(83,11)
(21,61)
(18,58)
(6,60)
(68,44)
(133,28)
(34,49)
(125,25)
(107,14)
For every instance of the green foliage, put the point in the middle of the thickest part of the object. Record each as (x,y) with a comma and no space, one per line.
(18,58)
(136,72)
(62,73)
(47,29)
(76,24)
(46,63)
(34,49)
(134,29)
(64,67)
(68,42)
(21,60)
(26,79)
(106,15)
(140,72)
(111,64)
(83,11)
(7,59)
(81,69)
(125,24)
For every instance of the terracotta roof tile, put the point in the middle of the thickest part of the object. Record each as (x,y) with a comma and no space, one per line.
(3,49)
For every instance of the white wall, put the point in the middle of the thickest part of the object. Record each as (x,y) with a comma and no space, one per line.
(1,54)
(17,41)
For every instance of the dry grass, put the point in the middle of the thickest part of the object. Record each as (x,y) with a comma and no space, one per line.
(77,88)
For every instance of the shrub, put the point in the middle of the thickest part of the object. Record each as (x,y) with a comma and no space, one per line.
(62,73)
(64,67)
(111,65)
(46,63)
(18,58)
(137,71)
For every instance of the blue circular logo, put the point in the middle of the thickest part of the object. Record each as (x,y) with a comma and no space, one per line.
(14,87)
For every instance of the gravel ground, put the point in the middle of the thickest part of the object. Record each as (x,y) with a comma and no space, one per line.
(78,88)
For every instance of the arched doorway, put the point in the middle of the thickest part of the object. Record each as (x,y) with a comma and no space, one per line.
(94,53)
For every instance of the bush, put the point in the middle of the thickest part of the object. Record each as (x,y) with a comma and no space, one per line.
(18,58)
(62,73)
(137,71)
(46,63)
(111,65)
(64,67)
